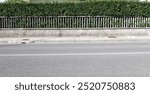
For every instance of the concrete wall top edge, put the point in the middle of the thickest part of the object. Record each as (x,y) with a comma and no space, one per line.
(69,28)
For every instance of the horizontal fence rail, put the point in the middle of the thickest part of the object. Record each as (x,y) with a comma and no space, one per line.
(74,22)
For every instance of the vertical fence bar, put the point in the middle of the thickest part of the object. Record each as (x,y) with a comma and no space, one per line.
(65,22)
(133,22)
(40,22)
(101,23)
(70,22)
(124,21)
(104,22)
(27,22)
(141,21)
(102,18)
(87,22)
(146,21)
(46,22)
(56,21)
(19,20)
(97,22)
(58,18)
(6,26)
(62,22)
(34,23)
(51,22)
(128,22)
(43,22)
(37,23)
(84,22)
(115,22)
(12,22)
(77,22)
(80,22)
(108,22)
(5,22)
(81,19)
(54,24)
(136,21)
(31,22)
(1,22)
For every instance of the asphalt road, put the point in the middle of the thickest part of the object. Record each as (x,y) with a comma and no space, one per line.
(103,59)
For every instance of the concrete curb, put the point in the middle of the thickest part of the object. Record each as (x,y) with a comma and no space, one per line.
(26,40)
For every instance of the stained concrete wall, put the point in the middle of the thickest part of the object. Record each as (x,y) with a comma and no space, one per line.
(74,32)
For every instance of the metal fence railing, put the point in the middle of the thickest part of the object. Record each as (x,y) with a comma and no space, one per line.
(73,22)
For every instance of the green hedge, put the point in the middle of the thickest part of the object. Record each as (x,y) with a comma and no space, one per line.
(77,9)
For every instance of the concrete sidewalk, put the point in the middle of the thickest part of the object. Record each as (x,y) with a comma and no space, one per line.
(18,40)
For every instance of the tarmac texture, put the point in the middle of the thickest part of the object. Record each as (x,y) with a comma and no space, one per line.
(76,59)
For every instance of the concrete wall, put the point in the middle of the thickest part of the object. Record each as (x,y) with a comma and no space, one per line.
(73,32)
(26,0)
(144,0)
